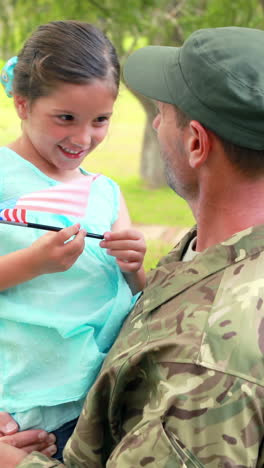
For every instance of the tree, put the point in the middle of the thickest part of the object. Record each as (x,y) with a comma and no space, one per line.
(129,26)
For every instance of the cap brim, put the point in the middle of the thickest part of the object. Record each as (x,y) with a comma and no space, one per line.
(144,71)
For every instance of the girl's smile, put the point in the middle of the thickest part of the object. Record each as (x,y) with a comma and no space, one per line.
(71,154)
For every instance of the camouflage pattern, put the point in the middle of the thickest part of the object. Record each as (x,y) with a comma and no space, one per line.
(183,386)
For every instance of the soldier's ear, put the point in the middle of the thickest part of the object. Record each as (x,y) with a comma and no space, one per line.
(198,144)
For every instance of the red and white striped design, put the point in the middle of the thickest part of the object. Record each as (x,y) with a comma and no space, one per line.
(14,215)
(67,198)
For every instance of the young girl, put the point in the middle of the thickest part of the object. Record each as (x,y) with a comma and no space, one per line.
(55,329)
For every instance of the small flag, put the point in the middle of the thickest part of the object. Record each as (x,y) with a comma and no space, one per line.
(13,214)
(66,198)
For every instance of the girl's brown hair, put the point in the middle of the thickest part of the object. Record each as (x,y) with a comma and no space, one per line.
(69,51)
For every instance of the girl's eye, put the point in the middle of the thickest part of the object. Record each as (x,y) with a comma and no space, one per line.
(65,117)
(102,118)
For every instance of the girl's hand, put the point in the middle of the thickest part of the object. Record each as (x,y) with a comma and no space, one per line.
(51,253)
(55,251)
(128,247)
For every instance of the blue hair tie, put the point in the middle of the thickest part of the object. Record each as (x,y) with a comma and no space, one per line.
(7,75)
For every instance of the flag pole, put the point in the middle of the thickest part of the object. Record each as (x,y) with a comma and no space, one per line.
(46,228)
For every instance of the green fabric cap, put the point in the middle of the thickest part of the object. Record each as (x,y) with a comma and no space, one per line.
(216,77)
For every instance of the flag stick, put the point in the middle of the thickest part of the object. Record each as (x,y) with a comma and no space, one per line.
(46,228)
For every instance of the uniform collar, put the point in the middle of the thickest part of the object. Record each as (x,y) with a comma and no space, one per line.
(172,276)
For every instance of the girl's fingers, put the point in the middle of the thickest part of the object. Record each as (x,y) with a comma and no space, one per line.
(7,424)
(128,267)
(126,255)
(131,234)
(66,233)
(124,245)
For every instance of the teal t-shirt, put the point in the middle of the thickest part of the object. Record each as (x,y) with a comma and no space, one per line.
(56,329)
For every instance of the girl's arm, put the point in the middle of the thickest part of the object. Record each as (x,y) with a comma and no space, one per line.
(128,246)
(49,254)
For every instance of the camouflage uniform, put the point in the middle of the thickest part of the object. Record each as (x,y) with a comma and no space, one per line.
(183,386)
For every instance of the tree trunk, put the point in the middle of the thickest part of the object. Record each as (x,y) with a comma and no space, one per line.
(151,167)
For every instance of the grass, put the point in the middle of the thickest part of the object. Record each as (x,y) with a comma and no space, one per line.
(159,206)
(119,158)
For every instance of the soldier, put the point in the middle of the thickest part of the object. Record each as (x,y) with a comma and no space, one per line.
(183,385)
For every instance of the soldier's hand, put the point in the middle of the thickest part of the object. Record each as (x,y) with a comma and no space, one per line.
(31,440)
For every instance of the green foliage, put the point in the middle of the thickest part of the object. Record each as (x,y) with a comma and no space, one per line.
(212,14)
(158,21)
(156,249)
